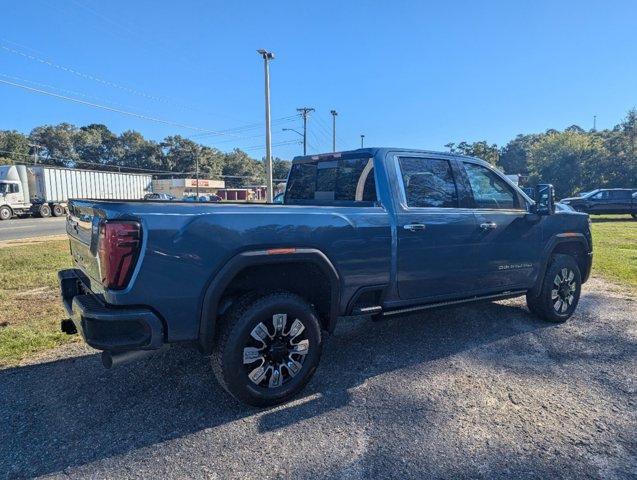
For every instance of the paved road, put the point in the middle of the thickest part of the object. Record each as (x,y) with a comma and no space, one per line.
(30,227)
(476,392)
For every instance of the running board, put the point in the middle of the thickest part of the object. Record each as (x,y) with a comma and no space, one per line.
(369,310)
(498,296)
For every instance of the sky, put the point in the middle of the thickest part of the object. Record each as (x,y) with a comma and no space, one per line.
(412,74)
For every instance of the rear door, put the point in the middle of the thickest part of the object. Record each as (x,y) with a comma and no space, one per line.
(436,236)
(620,201)
(508,246)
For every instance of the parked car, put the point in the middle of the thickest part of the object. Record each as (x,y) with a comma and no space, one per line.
(374,231)
(158,196)
(202,198)
(605,201)
(562,207)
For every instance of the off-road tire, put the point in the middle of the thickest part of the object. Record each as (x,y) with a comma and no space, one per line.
(235,330)
(543,305)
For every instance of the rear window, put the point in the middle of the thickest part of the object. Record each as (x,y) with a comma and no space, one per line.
(332,182)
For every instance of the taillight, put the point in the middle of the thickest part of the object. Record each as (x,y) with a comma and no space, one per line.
(118,248)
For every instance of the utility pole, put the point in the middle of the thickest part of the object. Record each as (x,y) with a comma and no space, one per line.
(36,151)
(305,111)
(594,123)
(267,56)
(334,113)
(362,140)
(197,174)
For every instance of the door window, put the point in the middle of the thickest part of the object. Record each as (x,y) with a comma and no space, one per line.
(620,195)
(428,182)
(603,195)
(489,190)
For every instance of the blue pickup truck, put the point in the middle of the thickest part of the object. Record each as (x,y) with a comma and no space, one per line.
(376,232)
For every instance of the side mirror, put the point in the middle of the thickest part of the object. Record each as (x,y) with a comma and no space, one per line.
(544,199)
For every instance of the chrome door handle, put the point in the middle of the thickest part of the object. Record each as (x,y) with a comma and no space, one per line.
(488,226)
(414,227)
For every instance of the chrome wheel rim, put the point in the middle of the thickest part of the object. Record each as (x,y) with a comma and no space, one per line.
(563,291)
(275,353)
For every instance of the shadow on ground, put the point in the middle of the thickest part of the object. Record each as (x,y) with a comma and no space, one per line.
(72,412)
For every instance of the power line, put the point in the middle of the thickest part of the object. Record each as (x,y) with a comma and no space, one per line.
(112,109)
(72,92)
(118,167)
(98,79)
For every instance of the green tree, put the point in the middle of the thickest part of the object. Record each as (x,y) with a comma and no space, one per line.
(280,168)
(514,156)
(561,158)
(134,151)
(56,143)
(238,164)
(481,149)
(95,144)
(14,147)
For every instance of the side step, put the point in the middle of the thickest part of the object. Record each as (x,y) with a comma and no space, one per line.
(377,310)
(497,296)
(368,310)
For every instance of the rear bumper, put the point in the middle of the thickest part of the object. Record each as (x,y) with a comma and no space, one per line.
(106,327)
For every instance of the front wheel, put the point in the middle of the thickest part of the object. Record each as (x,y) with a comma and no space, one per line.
(268,348)
(560,292)
(5,213)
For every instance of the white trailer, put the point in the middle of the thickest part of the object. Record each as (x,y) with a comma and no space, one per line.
(44,190)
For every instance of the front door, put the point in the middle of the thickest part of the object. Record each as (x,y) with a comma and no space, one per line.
(509,240)
(436,238)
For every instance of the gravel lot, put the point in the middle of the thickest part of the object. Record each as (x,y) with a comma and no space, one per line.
(476,392)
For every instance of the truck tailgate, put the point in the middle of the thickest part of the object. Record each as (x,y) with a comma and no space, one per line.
(82,227)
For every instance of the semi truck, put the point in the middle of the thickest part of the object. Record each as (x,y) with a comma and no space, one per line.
(44,190)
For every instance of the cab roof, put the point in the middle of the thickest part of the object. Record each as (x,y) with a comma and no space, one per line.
(380,151)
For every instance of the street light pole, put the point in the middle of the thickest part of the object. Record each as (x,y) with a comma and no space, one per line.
(334,113)
(362,140)
(267,56)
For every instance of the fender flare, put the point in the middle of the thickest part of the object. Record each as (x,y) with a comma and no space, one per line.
(220,281)
(560,238)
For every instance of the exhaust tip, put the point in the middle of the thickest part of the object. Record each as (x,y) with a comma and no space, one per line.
(112,359)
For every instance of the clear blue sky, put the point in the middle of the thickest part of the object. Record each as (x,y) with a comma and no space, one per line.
(409,74)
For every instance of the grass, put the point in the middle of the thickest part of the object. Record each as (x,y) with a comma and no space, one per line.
(30,307)
(615,248)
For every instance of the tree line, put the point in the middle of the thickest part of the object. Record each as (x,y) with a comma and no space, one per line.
(573,160)
(95,147)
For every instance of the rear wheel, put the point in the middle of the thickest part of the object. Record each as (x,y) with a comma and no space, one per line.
(58,210)
(5,213)
(268,348)
(44,211)
(560,292)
